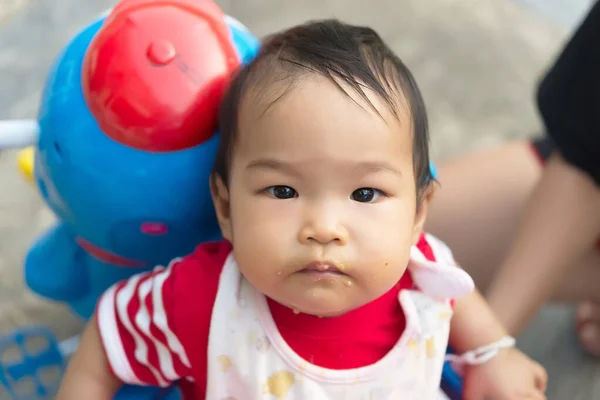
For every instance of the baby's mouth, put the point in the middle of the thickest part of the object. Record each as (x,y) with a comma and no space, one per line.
(323,267)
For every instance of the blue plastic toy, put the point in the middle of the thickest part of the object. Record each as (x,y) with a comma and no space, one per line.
(122,210)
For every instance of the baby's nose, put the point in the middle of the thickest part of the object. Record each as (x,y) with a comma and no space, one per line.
(324,228)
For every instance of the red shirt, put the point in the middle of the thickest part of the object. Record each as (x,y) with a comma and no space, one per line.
(155,327)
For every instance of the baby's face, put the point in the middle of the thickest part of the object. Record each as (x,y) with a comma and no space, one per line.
(322,198)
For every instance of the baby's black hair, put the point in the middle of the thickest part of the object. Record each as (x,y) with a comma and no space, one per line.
(353,55)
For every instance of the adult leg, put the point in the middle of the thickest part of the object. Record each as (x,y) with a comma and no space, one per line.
(478,205)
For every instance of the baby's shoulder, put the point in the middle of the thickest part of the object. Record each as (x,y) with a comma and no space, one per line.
(207,259)
(198,273)
(211,253)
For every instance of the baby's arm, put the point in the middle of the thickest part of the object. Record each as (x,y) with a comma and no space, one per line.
(134,337)
(88,370)
(151,329)
(473,324)
(507,373)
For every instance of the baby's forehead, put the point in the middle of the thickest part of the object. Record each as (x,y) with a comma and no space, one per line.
(274,90)
(315,119)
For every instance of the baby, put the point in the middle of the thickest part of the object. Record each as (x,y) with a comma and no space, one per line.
(325,286)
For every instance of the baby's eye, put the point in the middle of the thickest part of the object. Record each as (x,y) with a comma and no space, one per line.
(366,195)
(281,192)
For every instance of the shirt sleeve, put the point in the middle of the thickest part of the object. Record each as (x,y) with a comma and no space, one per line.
(568,97)
(154,326)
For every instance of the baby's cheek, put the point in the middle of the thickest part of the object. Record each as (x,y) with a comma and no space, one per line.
(258,247)
(386,275)
(253,264)
(387,262)
(386,250)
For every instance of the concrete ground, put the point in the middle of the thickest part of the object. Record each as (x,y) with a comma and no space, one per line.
(476,63)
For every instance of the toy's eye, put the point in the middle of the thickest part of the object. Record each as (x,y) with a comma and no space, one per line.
(154,228)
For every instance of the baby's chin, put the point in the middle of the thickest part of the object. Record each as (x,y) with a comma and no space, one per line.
(323,313)
(332,314)
(325,309)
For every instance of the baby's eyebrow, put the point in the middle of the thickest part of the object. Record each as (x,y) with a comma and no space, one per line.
(272,164)
(288,168)
(377,166)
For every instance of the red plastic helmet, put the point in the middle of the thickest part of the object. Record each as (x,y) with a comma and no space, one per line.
(155,73)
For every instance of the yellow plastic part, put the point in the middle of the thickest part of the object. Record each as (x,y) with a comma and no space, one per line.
(25,159)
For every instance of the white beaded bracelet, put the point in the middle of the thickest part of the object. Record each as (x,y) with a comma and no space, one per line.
(479,355)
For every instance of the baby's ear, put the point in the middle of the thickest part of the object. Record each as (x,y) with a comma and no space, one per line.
(429,192)
(423,200)
(220,197)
